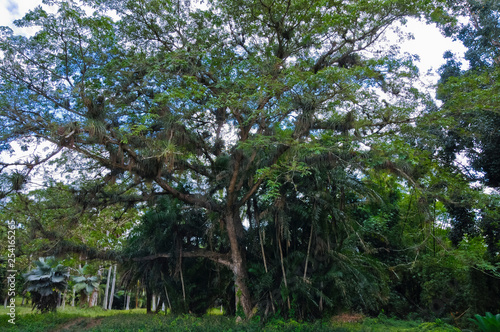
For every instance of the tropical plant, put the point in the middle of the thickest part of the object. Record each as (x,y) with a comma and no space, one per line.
(46,283)
(488,322)
(85,285)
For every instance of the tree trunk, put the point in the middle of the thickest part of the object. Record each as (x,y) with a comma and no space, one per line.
(127,306)
(112,294)
(308,251)
(149,296)
(321,299)
(168,299)
(93,298)
(105,301)
(284,272)
(73,299)
(158,304)
(95,293)
(182,284)
(238,265)
(153,302)
(137,295)
(63,299)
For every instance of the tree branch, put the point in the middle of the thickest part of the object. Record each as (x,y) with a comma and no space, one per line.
(223,259)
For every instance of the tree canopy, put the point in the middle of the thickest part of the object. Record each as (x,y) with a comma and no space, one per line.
(283,114)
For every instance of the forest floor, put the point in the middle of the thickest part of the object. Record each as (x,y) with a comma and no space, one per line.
(96,320)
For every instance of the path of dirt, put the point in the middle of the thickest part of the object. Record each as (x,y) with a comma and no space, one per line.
(69,325)
(94,323)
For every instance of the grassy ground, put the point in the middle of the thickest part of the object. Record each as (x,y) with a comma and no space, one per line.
(96,319)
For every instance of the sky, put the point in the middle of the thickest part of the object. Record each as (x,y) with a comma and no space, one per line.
(429,44)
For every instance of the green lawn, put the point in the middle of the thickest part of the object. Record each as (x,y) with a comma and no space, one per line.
(96,319)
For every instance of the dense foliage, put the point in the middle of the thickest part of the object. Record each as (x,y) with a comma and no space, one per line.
(488,322)
(46,283)
(99,320)
(471,97)
(266,157)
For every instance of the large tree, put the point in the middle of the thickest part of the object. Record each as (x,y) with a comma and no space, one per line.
(471,101)
(471,96)
(208,103)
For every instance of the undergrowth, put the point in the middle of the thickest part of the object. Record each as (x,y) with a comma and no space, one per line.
(97,320)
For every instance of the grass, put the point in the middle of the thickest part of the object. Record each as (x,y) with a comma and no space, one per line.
(97,320)
(395,325)
(215,311)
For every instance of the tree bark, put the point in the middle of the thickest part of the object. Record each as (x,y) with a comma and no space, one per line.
(149,296)
(308,251)
(137,296)
(112,294)
(63,299)
(168,299)
(105,301)
(158,304)
(223,259)
(95,293)
(234,229)
(93,298)
(182,279)
(127,306)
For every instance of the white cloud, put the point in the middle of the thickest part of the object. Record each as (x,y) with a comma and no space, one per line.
(429,44)
(12,7)
(11,10)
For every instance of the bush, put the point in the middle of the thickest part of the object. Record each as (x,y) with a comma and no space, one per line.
(45,283)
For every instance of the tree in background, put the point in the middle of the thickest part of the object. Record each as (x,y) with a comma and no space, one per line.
(462,140)
(471,98)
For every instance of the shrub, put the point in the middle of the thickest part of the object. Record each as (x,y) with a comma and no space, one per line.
(45,283)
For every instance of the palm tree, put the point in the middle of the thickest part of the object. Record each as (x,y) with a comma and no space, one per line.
(46,282)
(86,285)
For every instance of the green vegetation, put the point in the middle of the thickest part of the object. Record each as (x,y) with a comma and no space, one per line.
(46,283)
(273,160)
(488,323)
(100,320)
